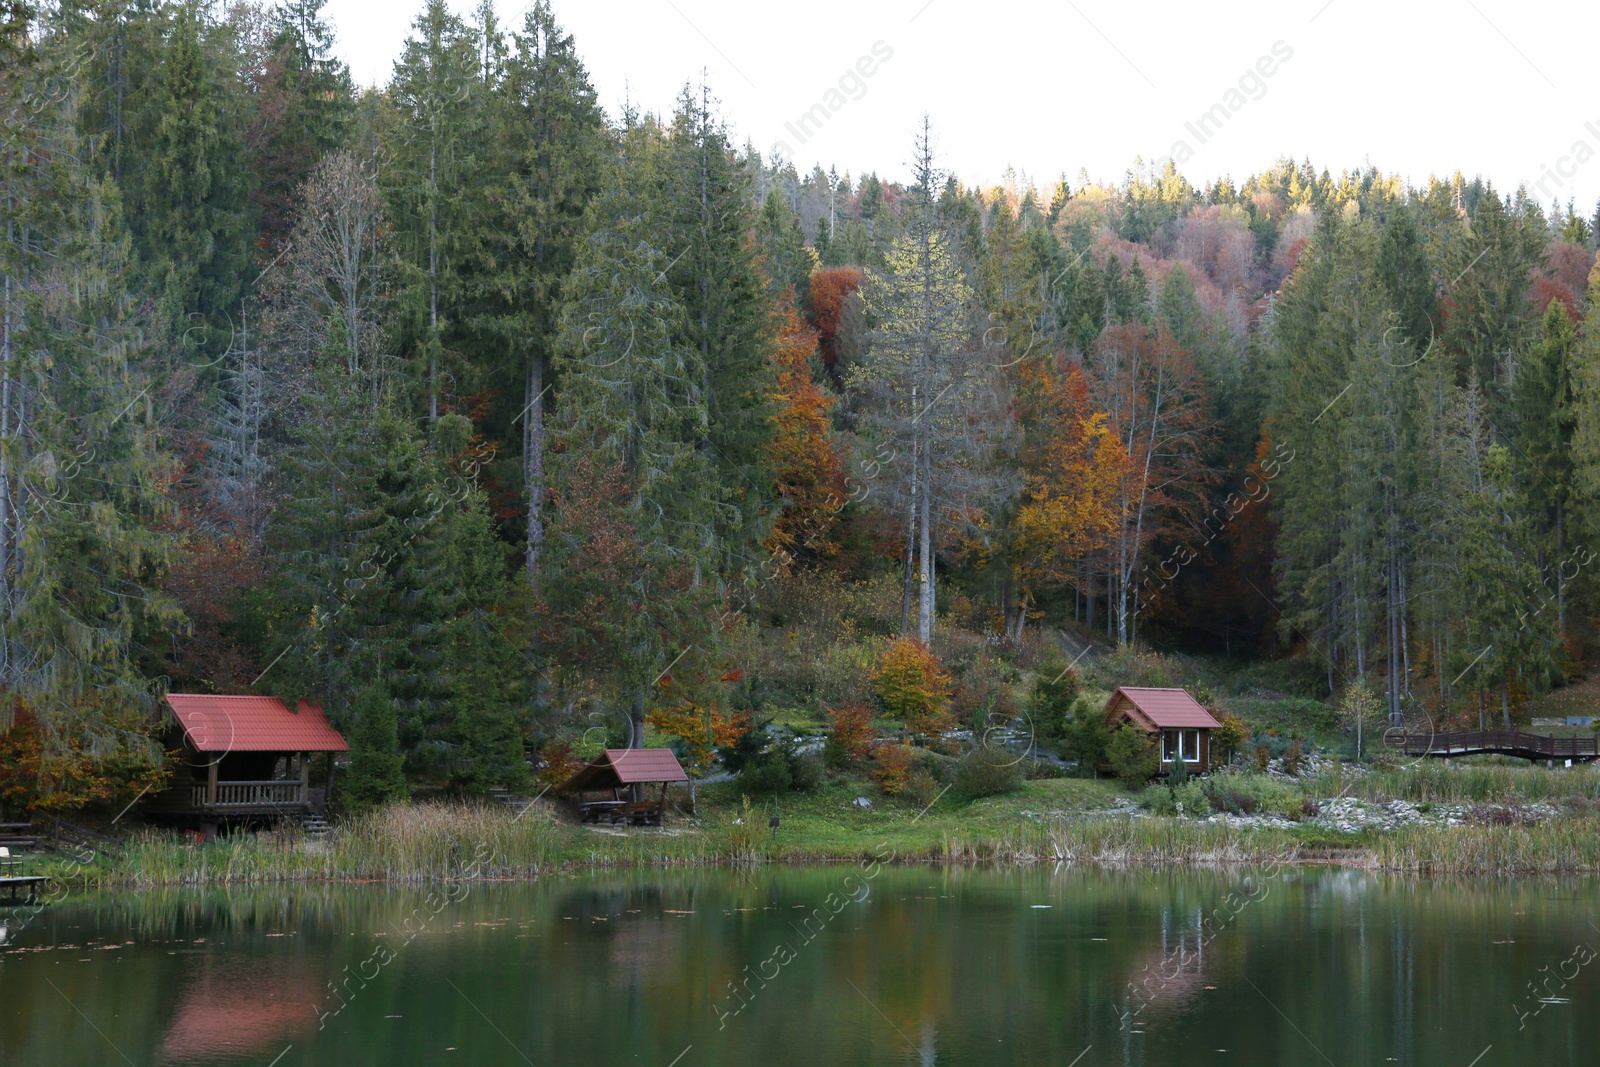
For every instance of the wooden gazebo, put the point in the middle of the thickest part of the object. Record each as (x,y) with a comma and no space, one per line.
(630,768)
(247,757)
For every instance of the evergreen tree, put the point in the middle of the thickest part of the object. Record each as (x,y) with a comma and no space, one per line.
(634,416)
(375,776)
(81,473)
(548,144)
(305,109)
(1545,413)
(439,100)
(727,318)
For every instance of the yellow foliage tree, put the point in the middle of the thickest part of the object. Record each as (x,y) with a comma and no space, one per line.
(913,687)
(700,728)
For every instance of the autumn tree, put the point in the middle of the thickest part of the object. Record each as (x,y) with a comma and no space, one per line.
(810,474)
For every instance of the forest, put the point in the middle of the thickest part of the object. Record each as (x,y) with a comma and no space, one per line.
(504,426)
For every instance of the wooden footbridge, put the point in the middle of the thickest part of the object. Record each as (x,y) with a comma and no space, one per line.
(1495,742)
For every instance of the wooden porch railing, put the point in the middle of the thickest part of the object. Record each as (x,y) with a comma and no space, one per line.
(249,794)
(1505,742)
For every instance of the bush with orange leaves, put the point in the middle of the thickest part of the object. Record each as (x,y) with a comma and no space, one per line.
(891,766)
(701,729)
(850,732)
(558,762)
(914,688)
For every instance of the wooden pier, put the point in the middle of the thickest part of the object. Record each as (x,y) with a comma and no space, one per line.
(1498,743)
(11,886)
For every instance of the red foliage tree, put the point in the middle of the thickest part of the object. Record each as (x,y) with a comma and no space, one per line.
(831,289)
(810,475)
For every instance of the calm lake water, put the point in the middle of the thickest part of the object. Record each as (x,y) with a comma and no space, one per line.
(817,966)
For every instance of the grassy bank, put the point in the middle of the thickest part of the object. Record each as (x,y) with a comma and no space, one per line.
(1046,821)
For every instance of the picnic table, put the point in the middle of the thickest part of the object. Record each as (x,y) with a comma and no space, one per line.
(602,810)
(627,812)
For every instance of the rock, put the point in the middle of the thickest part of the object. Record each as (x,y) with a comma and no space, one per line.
(862,802)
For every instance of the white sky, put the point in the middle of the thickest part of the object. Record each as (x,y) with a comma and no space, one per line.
(1493,87)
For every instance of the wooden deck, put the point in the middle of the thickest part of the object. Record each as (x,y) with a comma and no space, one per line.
(1496,742)
(11,886)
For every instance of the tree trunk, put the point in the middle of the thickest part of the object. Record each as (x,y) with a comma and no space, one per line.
(533,461)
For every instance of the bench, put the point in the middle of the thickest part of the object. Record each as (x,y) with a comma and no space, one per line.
(643,812)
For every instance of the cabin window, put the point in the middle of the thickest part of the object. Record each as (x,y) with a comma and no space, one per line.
(1180,744)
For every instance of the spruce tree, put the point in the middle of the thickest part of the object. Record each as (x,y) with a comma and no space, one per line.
(376,776)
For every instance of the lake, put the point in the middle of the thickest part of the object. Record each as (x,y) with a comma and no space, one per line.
(836,965)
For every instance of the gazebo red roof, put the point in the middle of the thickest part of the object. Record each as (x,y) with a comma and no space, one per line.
(1159,709)
(253,724)
(627,766)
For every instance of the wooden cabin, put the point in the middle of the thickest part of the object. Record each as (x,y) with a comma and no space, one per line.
(1184,724)
(246,758)
(598,786)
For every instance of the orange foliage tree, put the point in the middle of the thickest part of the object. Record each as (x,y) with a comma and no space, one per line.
(852,729)
(701,729)
(1073,470)
(891,766)
(914,688)
(559,761)
(69,775)
(1152,393)
(810,476)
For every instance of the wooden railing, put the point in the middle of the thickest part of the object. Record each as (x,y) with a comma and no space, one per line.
(1505,742)
(248,795)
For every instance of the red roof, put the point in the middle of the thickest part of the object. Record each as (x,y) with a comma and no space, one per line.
(253,724)
(627,766)
(1156,709)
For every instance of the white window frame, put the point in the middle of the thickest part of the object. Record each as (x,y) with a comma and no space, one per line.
(1189,741)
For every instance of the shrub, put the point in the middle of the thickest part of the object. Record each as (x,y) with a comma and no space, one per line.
(923,786)
(849,733)
(1087,739)
(1178,775)
(805,773)
(767,773)
(982,697)
(1293,758)
(1230,735)
(1263,758)
(913,687)
(891,765)
(1132,755)
(1051,702)
(988,771)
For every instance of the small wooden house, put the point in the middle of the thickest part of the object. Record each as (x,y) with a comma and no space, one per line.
(1183,724)
(247,757)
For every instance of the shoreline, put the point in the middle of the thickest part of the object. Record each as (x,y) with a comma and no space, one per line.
(1565,847)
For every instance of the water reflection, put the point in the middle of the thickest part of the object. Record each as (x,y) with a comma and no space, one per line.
(784,967)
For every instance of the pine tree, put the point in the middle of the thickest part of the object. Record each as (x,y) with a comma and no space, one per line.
(193,230)
(1543,401)
(375,776)
(634,417)
(81,473)
(306,109)
(727,318)
(438,98)
(548,143)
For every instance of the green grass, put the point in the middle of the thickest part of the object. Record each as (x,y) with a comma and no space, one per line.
(1049,820)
